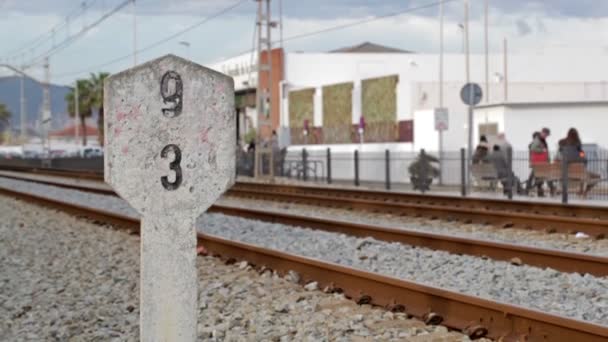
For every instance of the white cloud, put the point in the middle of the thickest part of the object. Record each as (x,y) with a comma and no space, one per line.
(229,35)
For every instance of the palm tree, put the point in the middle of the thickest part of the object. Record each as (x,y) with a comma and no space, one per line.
(84,105)
(96,92)
(5,117)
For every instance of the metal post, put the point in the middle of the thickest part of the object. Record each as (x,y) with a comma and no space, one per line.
(22,109)
(505,71)
(564,180)
(468,77)
(77,117)
(510,175)
(46,105)
(134,34)
(328,165)
(441,89)
(357,167)
(463,187)
(487,94)
(259,99)
(387,166)
(304,164)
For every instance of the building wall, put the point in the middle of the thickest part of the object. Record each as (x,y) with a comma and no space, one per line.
(546,76)
(589,120)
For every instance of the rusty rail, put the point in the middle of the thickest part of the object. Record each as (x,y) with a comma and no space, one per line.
(533,207)
(474,316)
(462,212)
(559,260)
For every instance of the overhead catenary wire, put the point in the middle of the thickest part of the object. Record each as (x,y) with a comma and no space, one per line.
(68,41)
(155,44)
(39,40)
(250,50)
(348,25)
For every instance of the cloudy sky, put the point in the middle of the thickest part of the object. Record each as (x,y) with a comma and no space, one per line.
(529,25)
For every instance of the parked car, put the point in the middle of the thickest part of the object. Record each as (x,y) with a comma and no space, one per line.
(90,152)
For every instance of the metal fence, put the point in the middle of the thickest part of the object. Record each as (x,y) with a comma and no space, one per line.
(558,179)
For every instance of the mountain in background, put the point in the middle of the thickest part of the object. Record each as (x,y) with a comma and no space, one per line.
(9,95)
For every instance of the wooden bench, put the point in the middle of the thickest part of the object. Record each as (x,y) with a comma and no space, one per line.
(579,179)
(485,172)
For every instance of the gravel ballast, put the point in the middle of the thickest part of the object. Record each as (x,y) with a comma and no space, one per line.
(533,238)
(578,296)
(62,278)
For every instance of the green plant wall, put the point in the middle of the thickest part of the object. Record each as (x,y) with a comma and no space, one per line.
(337,112)
(337,104)
(301,107)
(379,99)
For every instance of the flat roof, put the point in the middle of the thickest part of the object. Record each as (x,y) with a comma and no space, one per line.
(543,104)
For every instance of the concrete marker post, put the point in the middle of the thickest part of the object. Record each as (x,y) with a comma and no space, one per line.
(170,154)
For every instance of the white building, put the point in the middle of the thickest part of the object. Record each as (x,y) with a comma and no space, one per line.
(558,76)
(518,120)
(554,88)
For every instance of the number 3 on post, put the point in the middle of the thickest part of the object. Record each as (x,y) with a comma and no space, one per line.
(172,89)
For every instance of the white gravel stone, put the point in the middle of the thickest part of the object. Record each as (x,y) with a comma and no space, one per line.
(534,238)
(578,296)
(67,279)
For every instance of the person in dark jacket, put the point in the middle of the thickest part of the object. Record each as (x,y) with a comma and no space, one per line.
(571,148)
(481,151)
(503,170)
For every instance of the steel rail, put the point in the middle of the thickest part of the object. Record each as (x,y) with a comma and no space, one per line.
(462,212)
(534,207)
(490,204)
(556,259)
(476,317)
(559,260)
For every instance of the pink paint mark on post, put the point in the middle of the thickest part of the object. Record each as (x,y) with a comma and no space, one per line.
(125,149)
(204,135)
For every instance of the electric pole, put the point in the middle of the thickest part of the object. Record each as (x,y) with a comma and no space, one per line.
(46,105)
(263,93)
(23,111)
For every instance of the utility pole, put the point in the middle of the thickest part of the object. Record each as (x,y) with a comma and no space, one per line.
(23,126)
(468,78)
(441,89)
(487,94)
(77,117)
(46,105)
(263,94)
(134,34)
(505,71)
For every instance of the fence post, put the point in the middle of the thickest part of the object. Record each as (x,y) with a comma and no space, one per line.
(328,165)
(510,176)
(304,164)
(564,180)
(463,185)
(387,165)
(357,167)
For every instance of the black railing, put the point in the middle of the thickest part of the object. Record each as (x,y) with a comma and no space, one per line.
(514,177)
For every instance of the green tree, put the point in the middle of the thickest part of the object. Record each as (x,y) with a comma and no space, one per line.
(96,92)
(84,105)
(5,117)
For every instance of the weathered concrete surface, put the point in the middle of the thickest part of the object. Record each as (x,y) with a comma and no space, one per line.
(170,153)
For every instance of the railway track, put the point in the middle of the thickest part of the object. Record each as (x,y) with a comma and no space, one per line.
(474,316)
(527,215)
(549,217)
(559,260)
